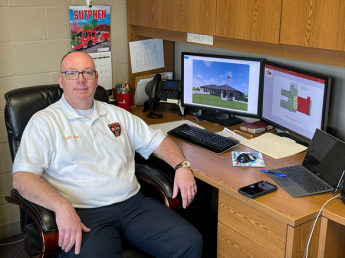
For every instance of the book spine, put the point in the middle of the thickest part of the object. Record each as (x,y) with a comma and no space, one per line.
(247,129)
(252,130)
(259,130)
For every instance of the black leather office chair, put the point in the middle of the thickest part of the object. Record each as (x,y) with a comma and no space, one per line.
(37,223)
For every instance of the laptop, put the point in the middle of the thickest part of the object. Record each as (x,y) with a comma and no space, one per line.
(321,169)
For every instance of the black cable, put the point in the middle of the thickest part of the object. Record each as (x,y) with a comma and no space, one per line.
(152,114)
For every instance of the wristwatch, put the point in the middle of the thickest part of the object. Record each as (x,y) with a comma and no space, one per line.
(182,164)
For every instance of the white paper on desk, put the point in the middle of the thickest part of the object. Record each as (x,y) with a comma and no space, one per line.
(146,55)
(165,127)
(171,101)
(274,146)
(228,133)
(140,95)
(181,108)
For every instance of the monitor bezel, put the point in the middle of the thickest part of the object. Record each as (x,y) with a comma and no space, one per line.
(325,105)
(215,109)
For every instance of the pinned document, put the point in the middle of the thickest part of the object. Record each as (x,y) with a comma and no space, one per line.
(146,55)
(274,146)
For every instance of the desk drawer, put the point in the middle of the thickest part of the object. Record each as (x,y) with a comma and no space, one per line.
(253,221)
(233,245)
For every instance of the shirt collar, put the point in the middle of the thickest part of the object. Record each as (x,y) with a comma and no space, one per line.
(71,113)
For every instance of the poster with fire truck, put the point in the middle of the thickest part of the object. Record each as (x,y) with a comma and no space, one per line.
(90,33)
(90,28)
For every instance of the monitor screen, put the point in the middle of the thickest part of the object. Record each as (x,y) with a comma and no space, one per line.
(294,100)
(222,84)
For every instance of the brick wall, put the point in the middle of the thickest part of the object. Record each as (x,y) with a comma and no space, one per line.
(34,37)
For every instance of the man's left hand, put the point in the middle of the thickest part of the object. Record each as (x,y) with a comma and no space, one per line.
(184,180)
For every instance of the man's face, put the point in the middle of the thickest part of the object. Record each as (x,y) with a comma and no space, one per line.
(79,93)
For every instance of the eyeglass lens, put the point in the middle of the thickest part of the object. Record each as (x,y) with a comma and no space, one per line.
(73,75)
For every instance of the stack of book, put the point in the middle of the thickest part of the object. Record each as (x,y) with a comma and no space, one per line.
(255,128)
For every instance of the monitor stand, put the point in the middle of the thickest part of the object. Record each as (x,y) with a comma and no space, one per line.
(299,141)
(221,118)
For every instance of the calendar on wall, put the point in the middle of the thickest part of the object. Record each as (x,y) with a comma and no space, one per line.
(103,68)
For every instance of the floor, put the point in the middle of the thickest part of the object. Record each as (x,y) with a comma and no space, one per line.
(12,247)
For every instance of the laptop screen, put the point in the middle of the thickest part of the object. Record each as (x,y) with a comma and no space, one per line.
(325,157)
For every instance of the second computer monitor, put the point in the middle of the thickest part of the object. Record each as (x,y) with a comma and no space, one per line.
(222,84)
(294,100)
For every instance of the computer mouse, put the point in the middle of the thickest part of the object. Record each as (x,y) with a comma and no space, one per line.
(245,158)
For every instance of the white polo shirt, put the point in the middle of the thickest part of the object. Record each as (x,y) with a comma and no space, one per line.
(89,162)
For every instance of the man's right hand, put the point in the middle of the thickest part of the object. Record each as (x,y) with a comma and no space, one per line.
(70,228)
(68,222)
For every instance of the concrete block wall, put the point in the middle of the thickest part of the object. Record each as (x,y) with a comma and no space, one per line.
(35,36)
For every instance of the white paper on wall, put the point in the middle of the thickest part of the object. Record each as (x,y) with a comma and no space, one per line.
(146,55)
(103,67)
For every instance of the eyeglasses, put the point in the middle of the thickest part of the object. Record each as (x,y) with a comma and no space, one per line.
(73,75)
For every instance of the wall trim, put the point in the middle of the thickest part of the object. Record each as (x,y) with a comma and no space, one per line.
(10,229)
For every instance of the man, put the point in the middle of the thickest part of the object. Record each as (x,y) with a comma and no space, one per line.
(78,156)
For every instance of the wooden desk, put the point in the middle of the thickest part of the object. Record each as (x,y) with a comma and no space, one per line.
(332,231)
(273,225)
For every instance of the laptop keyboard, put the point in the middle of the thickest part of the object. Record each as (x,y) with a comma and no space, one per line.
(306,179)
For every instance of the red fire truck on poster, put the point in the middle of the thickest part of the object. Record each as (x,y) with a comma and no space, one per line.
(103,36)
(88,38)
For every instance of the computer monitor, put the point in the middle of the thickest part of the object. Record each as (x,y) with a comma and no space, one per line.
(295,101)
(224,85)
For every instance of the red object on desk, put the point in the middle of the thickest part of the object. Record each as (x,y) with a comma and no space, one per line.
(255,127)
(124,100)
(115,94)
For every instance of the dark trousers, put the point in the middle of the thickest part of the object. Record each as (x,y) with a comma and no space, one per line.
(141,222)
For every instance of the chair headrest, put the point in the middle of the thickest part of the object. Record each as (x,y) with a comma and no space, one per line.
(23,103)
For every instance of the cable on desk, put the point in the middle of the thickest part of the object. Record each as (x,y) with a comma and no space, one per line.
(336,196)
(317,216)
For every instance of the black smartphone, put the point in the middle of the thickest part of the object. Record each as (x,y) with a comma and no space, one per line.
(257,189)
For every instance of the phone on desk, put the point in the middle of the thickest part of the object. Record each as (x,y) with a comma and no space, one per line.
(158,89)
(257,189)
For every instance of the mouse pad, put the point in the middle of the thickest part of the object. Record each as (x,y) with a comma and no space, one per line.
(251,159)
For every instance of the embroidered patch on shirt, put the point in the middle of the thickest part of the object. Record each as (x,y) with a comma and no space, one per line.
(115,128)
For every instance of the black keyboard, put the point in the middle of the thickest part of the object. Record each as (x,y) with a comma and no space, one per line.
(203,139)
(310,182)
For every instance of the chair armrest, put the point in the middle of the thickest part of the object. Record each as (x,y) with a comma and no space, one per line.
(44,220)
(160,181)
